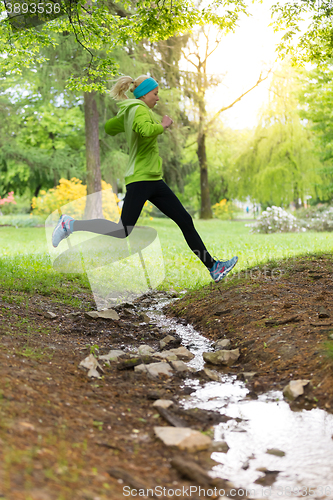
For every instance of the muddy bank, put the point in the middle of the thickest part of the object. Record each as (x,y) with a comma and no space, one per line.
(64,435)
(280,317)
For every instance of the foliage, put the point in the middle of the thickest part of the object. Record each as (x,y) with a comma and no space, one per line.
(304,43)
(223,210)
(22,220)
(70,190)
(8,199)
(320,221)
(40,140)
(275,220)
(105,26)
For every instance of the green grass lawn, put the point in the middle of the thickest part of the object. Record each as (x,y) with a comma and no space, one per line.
(25,264)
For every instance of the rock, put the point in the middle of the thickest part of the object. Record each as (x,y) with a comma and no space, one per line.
(323,313)
(92,364)
(163,403)
(112,355)
(212,375)
(220,446)
(132,361)
(146,350)
(180,366)
(169,356)
(276,452)
(164,342)
(106,314)
(246,376)
(155,394)
(155,369)
(224,358)
(128,312)
(184,438)
(144,318)
(74,315)
(222,344)
(50,315)
(221,312)
(295,388)
(182,353)
(277,321)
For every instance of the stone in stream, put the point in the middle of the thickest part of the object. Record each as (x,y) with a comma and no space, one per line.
(184,438)
(182,353)
(222,344)
(180,366)
(246,376)
(146,350)
(224,358)
(169,356)
(163,403)
(212,375)
(112,355)
(166,340)
(155,369)
(276,452)
(296,388)
(144,318)
(105,314)
(220,447)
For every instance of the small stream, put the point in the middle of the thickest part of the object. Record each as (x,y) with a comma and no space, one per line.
(305,436)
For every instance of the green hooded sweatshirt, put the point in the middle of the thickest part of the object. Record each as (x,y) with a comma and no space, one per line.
(141,128)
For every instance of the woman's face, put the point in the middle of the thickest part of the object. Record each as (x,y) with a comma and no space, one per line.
(151,98)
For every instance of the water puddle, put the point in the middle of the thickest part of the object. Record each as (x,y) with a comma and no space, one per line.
(305,437)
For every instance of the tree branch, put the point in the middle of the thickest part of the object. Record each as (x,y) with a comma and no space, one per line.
(260,79)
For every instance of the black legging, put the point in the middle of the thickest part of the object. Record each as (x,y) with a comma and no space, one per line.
(158,193)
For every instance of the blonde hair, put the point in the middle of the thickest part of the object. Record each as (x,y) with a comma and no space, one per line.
(123,84)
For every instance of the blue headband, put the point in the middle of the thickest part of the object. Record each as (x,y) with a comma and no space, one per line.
(146,86)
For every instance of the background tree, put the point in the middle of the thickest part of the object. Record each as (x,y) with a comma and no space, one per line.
(196,84)
(305,43)
(316,98)
(279,164)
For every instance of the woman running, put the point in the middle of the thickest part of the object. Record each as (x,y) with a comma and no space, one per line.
(143,177)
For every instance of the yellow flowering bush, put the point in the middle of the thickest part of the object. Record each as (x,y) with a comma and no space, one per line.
(146,211)
(72,190)
(223,210)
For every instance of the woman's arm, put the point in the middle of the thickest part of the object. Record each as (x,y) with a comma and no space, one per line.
(114,126)
(142,124)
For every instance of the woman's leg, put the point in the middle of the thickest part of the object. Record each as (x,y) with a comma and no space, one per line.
(166,201)
(136,195)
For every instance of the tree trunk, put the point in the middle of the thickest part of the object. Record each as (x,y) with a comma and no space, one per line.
(206,210)
(93,208)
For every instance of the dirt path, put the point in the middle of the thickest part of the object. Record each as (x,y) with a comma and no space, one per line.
(64,436)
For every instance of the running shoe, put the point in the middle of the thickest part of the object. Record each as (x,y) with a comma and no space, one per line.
(221,268)
(62,229)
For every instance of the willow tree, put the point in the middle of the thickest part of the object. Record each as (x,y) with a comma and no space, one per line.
(196,84)
(279,164)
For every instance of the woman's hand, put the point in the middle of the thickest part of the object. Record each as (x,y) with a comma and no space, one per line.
(166,121)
